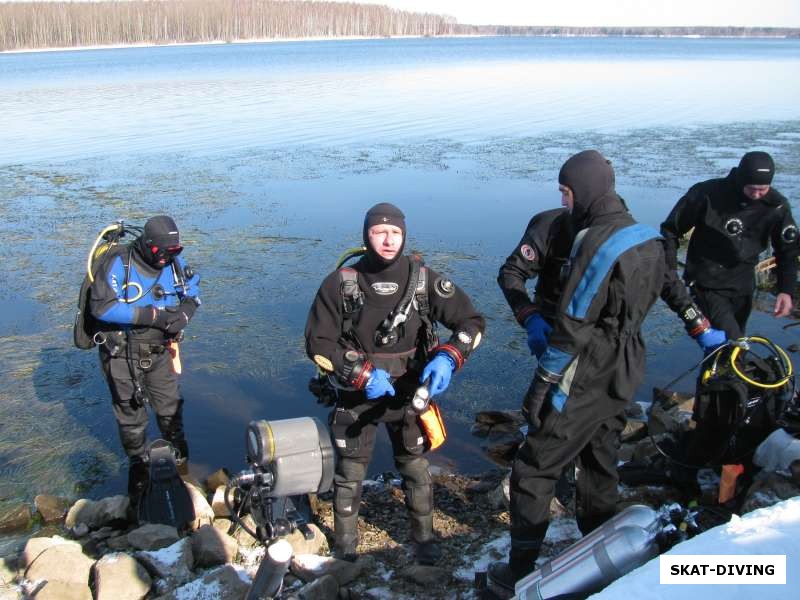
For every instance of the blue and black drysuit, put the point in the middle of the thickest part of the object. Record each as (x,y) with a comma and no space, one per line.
(141,308)
(594,362)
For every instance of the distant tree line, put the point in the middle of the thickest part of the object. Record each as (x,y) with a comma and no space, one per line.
(68,24)
(646,31)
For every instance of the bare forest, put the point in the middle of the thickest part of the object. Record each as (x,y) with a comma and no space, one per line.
(70,24)
(32,25)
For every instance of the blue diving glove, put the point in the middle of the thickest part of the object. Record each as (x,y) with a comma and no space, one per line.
(378,385)
(538,334)
(711,339)
(439,369)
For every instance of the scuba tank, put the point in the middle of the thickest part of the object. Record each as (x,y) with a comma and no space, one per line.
(85,327)
(621,544)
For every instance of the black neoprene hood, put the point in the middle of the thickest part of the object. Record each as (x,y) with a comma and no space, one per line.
(383,214)
(756,168)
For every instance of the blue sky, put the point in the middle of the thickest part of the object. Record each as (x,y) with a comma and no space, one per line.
(774,13)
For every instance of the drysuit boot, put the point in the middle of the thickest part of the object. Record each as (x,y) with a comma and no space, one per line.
(502,576)
(428,551)
(345,535)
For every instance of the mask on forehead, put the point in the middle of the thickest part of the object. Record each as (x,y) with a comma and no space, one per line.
(755,168)
(383,214)
(160,242)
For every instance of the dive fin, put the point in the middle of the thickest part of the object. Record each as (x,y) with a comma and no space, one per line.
(165,500)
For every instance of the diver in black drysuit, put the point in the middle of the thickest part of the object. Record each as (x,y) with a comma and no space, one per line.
(734,219)
(143,295)
(379,379)
(594,359)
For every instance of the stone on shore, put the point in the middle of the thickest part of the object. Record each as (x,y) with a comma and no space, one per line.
(119,576)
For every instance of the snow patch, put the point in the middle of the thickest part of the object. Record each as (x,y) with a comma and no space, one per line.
(170,555)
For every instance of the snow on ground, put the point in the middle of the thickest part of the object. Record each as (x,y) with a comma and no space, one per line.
(560,530)
(772,530)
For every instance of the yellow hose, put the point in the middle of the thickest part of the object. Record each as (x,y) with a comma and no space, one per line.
(779,351)
(350,253)
(96,251)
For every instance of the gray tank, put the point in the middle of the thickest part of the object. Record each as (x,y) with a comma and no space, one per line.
(625,542)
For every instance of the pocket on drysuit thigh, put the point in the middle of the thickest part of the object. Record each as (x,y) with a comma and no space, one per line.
(351,437)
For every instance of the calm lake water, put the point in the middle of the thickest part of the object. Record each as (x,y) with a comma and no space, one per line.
(268,156)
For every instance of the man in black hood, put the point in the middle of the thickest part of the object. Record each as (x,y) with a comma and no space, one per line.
(734,219)
(143,295)
(371,331)
(594,357)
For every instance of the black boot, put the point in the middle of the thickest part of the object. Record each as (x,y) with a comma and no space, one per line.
(345,535)
(502,577)
(428,551)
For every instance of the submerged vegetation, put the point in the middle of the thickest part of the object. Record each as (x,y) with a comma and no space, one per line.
(32,25)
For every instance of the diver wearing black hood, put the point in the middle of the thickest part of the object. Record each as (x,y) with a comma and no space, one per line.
(143,295)
(734,219)
(593,362)
(377,367)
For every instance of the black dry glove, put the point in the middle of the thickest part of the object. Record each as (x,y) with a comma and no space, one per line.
(162,319)
(187,306)
(534,400)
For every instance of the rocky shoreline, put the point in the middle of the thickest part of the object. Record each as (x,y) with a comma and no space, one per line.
(94,550)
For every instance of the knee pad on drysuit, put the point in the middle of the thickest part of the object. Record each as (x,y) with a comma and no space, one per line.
(347,486)
(417,484)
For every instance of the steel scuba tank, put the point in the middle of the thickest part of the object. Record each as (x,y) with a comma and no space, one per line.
(621,544)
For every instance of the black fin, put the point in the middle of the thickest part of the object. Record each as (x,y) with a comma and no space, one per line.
(165,500)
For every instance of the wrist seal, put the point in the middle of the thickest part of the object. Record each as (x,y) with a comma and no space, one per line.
(695,321)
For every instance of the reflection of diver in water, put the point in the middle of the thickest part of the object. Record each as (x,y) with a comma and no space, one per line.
(142,295)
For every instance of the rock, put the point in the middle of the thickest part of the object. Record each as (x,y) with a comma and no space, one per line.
(500,497)
(108,511)
(152,536)
(218,503)
(218,478)
(777,452)
(64,563)
(59,590)
(324,588)
(309,567)
(242,537)
(502,447)
(52,509)
(8,570)
(173,563)
(669,412)
(225,583)
(794,469)
(15,518)
(203,513)
(119,576)
(427,576)
(102,533)
(80,530)
(36,546)
(211,547)
(224,525)
(634,430)
(318,544)
(768,489)
(119,542)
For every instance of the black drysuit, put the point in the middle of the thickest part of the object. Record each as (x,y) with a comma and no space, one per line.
(330,333)
(541,253)
(594,362)
(730,232)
